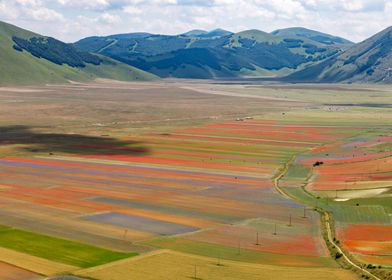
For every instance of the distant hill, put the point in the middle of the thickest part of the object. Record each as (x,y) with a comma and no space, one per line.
(207,34)
(215,54)
(29,58)
(312,35)
(195,33)
(369,62)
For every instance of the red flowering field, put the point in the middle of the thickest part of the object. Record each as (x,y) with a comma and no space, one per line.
(207,182)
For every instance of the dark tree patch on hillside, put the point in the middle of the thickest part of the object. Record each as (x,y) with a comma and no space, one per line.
(17,48)
(293,43)
(312,49)
(247,43)
(56,51)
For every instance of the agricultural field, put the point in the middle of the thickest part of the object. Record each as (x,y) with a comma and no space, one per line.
(353,182)
(160,266)
(10,272)
(176,175)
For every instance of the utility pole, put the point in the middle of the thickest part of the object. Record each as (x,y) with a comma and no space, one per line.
(257,238)
(275,233)
(195,276)
(290,224)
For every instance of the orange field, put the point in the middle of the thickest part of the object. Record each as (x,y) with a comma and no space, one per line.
(373,240)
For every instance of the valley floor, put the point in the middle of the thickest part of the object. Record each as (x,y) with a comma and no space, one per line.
(184,179)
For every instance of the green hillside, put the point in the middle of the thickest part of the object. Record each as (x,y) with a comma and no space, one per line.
(369,62)
(250,53)
(20,67)
(311,34)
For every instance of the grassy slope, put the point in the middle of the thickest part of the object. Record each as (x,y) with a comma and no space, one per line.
(21,68)
(112,69)
(59,250)
(366,62)
(311,34)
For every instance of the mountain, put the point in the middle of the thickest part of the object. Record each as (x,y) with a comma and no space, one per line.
(215,54)
(194,33)
(369,62)
(207,34)
(30,58)
(312,35)
(135,35)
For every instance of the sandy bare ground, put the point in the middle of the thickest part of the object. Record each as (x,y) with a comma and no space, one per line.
(22,89)
(235,94)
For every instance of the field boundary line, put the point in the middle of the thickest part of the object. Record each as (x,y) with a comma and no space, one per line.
(34,264)
(127,260)
(154,165)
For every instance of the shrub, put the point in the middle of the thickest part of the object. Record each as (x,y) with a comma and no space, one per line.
(338,255)
(17,48)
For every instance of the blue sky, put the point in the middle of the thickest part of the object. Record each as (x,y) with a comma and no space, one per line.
(71,20)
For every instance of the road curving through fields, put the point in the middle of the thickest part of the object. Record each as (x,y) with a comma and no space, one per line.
(326,221)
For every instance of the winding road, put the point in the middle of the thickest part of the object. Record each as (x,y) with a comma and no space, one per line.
(326,221)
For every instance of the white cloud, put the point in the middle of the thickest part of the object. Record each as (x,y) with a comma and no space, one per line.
(133,10)
(85,4)
(44,14)
(108,18)
(28,10)
(74,19)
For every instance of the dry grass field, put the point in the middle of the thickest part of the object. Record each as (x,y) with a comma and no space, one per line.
(174,265)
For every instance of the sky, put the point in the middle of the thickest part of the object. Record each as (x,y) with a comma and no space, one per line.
(71,20)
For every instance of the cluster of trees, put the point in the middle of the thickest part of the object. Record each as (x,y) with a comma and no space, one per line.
(312,49)
(55,51)
(293,43)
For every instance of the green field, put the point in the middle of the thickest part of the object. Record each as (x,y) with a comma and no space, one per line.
(368,210)
(56,249)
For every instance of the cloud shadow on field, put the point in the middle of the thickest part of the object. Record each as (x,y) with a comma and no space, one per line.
(52,143)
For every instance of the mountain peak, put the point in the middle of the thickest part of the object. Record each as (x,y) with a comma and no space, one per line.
(194,32)
(257,35)
(207,34)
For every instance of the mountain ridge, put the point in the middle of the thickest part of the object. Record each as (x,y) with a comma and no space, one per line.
(368,61)
(301,55)
(311,34)
(250,53)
